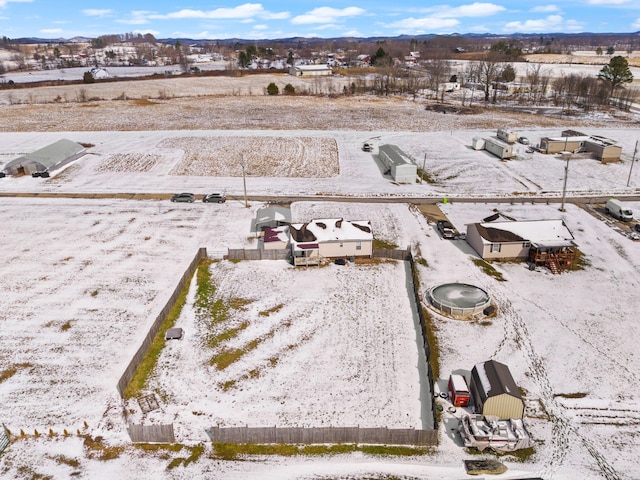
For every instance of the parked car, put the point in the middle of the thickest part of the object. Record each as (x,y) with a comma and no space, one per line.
(636,227)
(214,198)
(184,197)
(446,229)
(523,140)
(367,147)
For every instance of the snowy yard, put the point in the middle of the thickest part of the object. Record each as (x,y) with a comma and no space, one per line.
(83,279)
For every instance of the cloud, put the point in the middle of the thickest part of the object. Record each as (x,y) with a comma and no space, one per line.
(550,24)
(326,15)
(444,17)
(545,9)
(476,9)
(97,12)
(3,3)
(608,2)
(247,10)
(138,17)
(636,24)
(52,31)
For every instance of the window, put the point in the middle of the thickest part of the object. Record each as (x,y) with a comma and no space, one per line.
(358,245)
(341,244)
(495,247)
(526,244)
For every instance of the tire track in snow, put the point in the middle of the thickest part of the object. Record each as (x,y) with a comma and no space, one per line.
(562,428)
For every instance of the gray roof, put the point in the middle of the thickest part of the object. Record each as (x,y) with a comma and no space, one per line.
(49,156)
(493,378)
(395,155)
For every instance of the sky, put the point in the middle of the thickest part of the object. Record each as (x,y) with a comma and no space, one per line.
(223,19)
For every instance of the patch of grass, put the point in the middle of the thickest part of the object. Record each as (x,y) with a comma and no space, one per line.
(196,452)
(72,462)
(266,313)
(66,326)
(581,262)
(571,395)
(228,451)
(238,303)
(521,456)
(143,102)
(380,244)
(488,269)
(426,177)
(97,449)
(139,380)
(214,340)
(9,372)
(155,447)
(31,474)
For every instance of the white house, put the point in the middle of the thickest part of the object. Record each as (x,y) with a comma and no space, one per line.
(310,70)
(319,240)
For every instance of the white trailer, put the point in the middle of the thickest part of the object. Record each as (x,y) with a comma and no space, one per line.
(507,135)
(498,148)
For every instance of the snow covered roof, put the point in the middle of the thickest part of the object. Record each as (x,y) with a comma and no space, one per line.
(541,232)
(495,379)
(331,230)
(395,155)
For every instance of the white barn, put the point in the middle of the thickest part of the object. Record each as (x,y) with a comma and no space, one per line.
(46,159)
(398,164)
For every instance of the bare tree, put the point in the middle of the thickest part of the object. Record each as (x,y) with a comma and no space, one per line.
(439,72)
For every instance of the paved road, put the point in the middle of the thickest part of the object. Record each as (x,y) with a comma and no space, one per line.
(285,199)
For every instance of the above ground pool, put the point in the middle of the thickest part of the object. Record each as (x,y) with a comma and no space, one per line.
(459,299)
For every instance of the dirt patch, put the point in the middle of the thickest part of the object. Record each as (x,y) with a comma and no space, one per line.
(262,156)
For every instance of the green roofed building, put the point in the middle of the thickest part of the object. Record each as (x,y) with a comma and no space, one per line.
(46,159)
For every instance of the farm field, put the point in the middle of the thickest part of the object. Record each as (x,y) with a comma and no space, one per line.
(85,277)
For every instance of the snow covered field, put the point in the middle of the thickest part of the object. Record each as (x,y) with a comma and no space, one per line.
(83,279)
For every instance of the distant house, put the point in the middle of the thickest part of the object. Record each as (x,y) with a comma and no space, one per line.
(494,391)
(398,164)
(99,73)
(320,240)
(310,70)
(46,159)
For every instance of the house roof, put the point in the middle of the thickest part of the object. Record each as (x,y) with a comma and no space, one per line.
(494,378)
(330,230)
(542,232)
(276,234)
(49,156)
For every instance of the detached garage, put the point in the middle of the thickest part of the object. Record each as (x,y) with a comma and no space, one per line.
(494,391)
(46,159)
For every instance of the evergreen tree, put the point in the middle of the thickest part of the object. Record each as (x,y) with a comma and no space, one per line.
(616,73)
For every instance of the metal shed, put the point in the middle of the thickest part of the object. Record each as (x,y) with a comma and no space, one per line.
(270,217)
(494,391)
(398,164)
(46,159)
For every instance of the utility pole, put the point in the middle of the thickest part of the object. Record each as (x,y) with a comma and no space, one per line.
(633,160)
(564,186)
(244,180)
(423,162)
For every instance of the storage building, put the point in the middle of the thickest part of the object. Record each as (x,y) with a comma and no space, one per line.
(397,164)
(498,148)
(494,391)
(46,159)
(459,391)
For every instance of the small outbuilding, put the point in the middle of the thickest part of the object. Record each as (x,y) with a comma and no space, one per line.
(494,391)
(270,217)
(398,164)
(459,391)
(275,238)
(46,159)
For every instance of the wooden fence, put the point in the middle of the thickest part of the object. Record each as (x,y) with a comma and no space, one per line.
(257,254)
(392,254)
(423,325)
(155,327)
(151,433)
(317,435)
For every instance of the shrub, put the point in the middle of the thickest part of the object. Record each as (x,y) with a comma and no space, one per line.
(272,89)
(88,78)
(289,89)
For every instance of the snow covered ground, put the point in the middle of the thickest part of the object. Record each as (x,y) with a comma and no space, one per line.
(83,279)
